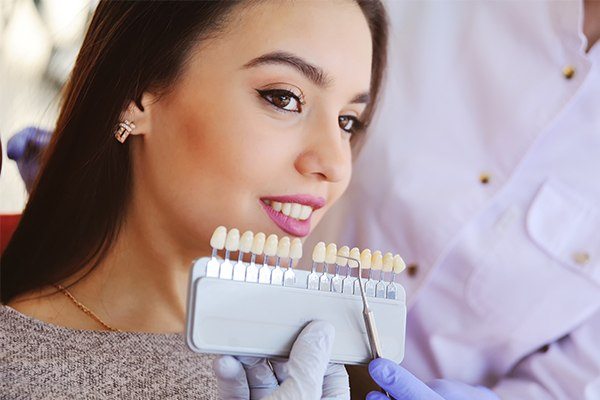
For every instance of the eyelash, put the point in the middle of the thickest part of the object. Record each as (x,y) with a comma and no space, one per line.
(357,125)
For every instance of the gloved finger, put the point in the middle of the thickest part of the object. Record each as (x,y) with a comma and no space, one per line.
(261,378)
(308,361)
(280,367)
(376,396)
(398,382)
(231,379)
(336,384)
(27,143)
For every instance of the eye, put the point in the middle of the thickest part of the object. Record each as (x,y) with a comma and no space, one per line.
(350,124)
(282,99)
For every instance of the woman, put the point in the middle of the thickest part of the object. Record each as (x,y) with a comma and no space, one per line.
(224,105)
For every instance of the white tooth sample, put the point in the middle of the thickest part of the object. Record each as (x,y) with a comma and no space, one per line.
(355,255)
(365,259)
(258,243)
(271,245)
(318,254)
(388,262)
(296,249)
(286,208)
(283,247)
(295,210)
(267,202)
(276,206)
(217,241)
(331,253)
(344,251)
(232,242)
(305,212)
(376,260)
(246,241)
(399,264)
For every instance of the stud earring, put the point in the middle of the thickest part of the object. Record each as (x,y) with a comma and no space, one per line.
(124,129)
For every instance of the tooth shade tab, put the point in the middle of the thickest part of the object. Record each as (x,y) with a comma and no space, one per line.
(271,245)
(399,264)
(365,259)
(232,242)
(388,262)
(283,248)
(318,254)
(355,255)
(217,241)
(286,209)
(276,205)
(246,241)
(377,260)
(344,251)
(331,253)
(258,243)
(296,249)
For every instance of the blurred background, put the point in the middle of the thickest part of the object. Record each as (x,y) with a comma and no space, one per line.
(39,40)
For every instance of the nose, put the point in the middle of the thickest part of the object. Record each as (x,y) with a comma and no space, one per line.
(326,154)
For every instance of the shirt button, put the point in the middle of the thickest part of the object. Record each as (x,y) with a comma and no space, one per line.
(484,178)
(412,269)
(581,257)
(568,71)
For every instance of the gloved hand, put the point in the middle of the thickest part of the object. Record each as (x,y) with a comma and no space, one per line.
(307,375)
(403,385)
(25,148)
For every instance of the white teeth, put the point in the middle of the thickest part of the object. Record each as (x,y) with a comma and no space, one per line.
(295,210)
(286,209)
(305,213)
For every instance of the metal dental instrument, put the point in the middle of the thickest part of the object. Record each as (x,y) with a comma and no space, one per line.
(369,319)
(367,315)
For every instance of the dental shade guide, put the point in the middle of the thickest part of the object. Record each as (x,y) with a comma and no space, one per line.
(348,281)
(230,313)
(341,261)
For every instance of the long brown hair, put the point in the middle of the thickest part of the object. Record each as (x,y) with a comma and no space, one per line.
(80,198)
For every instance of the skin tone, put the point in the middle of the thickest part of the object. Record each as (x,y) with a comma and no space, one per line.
(591,25)
(207,152)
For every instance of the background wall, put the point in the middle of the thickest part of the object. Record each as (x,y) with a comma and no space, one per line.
(39,40)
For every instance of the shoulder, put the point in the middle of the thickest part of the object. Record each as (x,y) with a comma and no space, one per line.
(48,305)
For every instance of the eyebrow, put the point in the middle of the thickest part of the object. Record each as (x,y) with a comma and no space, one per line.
(312,72)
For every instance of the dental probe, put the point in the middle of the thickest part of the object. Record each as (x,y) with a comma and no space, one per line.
(369,319)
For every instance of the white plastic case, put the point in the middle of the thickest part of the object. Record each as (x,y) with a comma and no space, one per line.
(246,318)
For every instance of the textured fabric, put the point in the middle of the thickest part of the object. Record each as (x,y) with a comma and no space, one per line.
(40,360)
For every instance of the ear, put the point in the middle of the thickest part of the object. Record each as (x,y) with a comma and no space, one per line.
(140,117)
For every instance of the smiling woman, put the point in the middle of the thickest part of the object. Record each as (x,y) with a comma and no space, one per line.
(241,114)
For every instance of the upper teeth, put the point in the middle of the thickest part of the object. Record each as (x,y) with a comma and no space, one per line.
(294,210)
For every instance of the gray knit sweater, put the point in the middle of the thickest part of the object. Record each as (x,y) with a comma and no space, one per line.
(40,360)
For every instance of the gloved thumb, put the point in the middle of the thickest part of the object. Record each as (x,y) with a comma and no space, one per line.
(231,378)
(398,382)
(308,361)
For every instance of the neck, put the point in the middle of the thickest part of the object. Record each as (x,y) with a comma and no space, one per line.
(141,286)
(591,24)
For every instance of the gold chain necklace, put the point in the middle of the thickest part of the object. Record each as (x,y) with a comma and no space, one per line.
(85,309)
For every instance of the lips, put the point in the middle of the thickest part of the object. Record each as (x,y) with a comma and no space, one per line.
(292,213)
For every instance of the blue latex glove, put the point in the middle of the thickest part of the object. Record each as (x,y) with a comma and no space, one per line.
(307,375)
(25,147)
(402,385)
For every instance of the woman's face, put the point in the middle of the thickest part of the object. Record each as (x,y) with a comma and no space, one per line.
(258,125)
